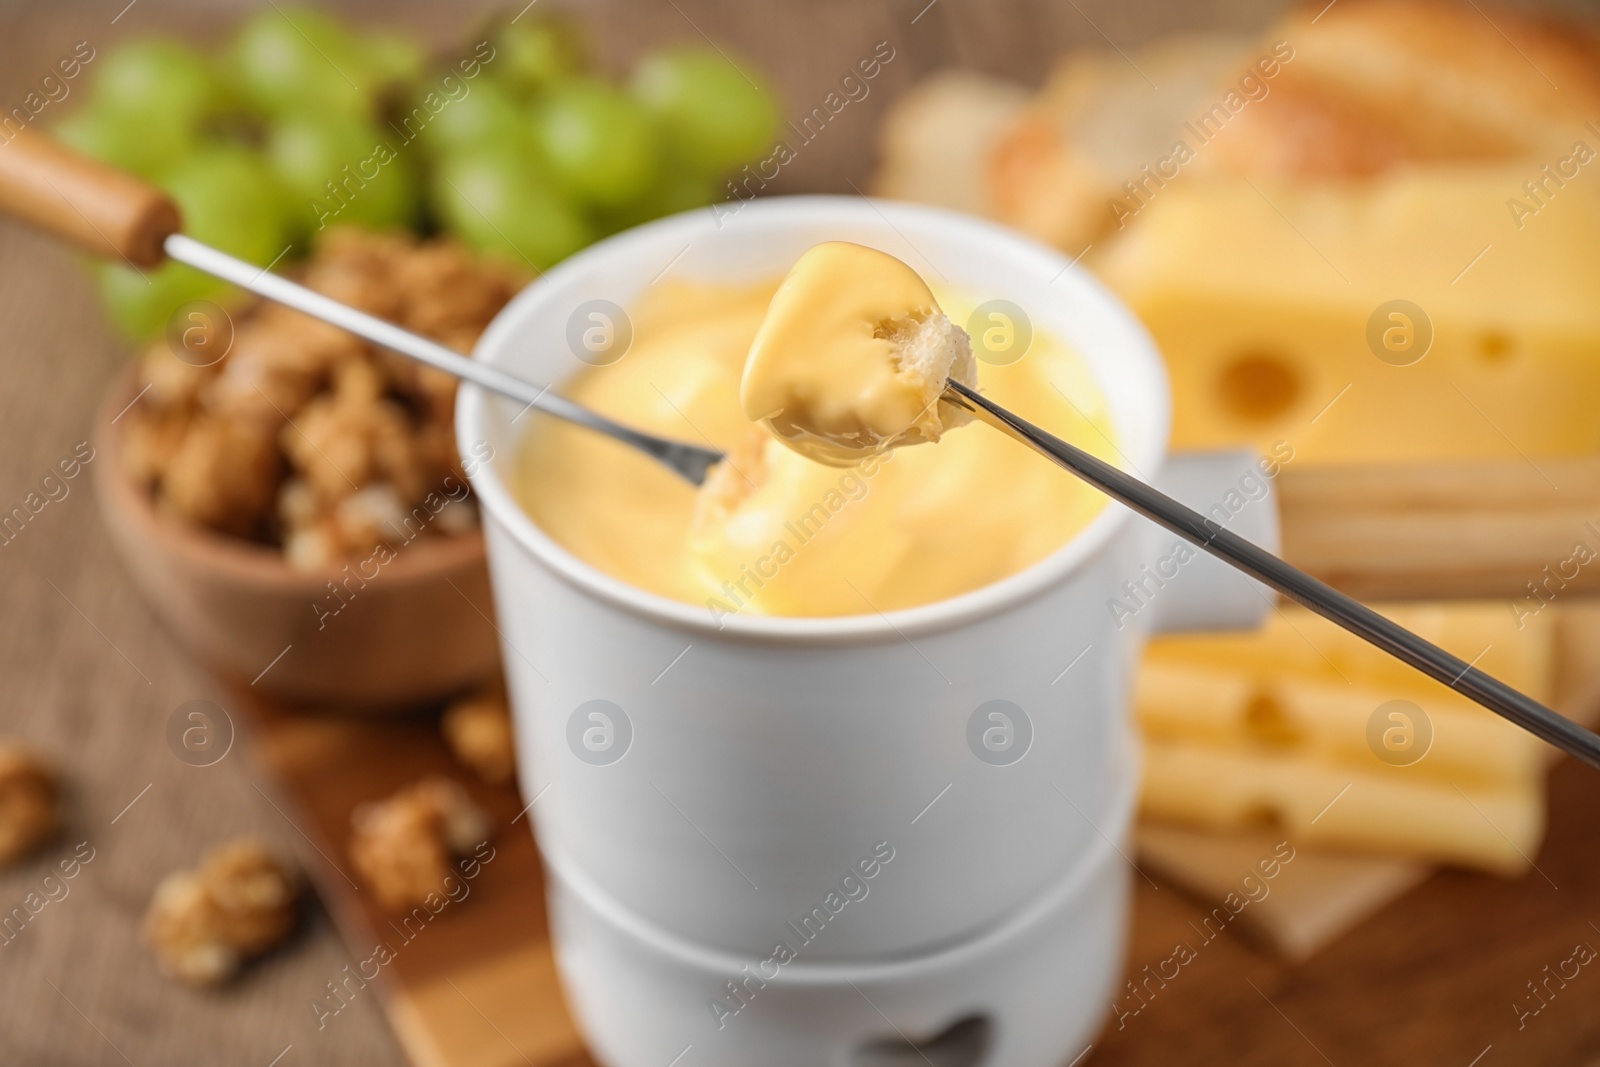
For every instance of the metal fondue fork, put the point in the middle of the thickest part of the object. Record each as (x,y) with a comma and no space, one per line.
(1292,582)
(692,462)
(107,212)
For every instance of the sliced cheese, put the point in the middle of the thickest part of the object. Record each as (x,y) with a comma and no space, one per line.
(1314,803)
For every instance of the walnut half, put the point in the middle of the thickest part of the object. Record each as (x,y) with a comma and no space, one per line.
(477,727)
(203,924)
(405,847)
(30,802)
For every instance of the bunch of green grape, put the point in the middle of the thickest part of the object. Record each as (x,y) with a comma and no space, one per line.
(514,144)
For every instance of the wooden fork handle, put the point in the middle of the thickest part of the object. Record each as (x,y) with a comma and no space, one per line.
(1517,529)
(98,208)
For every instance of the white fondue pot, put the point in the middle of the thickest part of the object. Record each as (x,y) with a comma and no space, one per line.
(877,839)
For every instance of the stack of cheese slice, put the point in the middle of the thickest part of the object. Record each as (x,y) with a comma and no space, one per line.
(1304,729)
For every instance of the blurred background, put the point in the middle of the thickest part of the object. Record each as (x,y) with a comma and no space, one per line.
(1422,916)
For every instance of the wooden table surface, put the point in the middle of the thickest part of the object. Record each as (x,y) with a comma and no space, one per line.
(86,675)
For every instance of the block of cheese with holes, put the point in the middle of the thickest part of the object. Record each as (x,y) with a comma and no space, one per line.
(1275,308)
(1241,730)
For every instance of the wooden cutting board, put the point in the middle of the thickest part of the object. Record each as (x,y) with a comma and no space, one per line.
(1430,974)
(476,985)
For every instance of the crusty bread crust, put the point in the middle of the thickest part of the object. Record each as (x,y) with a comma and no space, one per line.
(1372,85)
(1380,83)
(937,137)
(1097,119)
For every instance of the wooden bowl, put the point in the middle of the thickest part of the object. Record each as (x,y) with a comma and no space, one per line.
(413,633)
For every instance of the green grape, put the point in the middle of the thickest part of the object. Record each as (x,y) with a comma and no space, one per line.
(599,143)
(672,193)
(157,81)
(681,192)
(229,201)
(141,303)
(395,58)
(336,169)
(715,118)
(533,55)
(495,201)
(486,116)
(146,147)
(298,59)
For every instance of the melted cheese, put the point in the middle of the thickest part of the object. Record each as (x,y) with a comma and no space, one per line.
(896,530)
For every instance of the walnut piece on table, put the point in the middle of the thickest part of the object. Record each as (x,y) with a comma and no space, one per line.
(477,727)
(30,801)
(203,924)
(404,847)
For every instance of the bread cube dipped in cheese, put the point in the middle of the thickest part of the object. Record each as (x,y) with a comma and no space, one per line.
(853,356)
